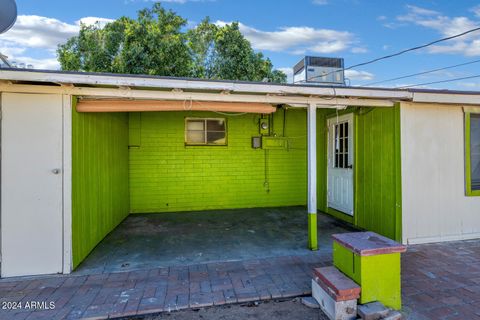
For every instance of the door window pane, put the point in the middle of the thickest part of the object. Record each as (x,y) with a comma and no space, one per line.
(341,145)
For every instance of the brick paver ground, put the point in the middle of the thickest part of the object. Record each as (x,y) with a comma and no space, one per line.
(440,281)
(163,289)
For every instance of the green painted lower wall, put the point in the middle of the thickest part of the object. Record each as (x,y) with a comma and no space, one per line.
(166,175)
(377,185)
(100,191)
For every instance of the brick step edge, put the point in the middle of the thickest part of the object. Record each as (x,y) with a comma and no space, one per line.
(336,284)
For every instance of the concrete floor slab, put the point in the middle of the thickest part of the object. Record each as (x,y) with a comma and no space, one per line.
(145,241)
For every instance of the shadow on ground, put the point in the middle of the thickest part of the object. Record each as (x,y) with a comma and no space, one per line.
(185,238)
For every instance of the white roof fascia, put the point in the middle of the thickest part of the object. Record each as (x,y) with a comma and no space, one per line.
(444,98)
(108,93)
(186,84)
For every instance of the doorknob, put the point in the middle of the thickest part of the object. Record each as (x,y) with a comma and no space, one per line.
(56,171)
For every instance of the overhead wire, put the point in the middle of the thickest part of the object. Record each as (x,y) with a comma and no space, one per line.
(399,53)
(440,81)
(421,73)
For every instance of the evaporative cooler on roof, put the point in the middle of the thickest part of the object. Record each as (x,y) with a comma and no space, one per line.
(319,71)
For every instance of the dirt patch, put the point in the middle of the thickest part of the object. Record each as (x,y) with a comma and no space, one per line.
(276,309)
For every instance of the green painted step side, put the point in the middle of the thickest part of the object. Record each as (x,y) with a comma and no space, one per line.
(100,192)
(379,276)
(166,175)
(377,170)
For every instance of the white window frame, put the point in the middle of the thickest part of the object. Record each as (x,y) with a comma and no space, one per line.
(187,143)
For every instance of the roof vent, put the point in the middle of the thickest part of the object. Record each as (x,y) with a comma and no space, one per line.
(319,71)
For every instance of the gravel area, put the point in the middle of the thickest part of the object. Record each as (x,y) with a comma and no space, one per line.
(273,309)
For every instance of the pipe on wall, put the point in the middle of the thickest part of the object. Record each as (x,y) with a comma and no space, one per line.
(171,105)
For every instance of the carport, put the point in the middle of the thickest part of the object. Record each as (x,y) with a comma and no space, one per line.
(139,159)
(130,147)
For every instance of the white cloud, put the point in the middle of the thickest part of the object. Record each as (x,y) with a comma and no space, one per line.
(476,10)
(11,50)
(297,40)
(289,72)
(41,34)
(469,84)
(320,2)
(468,45)
(421,11)
(359,50)
(359,75)
(44,64)
(89,21)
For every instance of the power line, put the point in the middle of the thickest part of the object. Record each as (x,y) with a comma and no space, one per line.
(400,52)
(435,82)
(421,73)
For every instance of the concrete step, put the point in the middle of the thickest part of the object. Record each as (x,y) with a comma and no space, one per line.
(339,286)
(335,293)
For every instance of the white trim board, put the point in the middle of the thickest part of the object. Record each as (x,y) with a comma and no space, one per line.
(469,236)
(67,184)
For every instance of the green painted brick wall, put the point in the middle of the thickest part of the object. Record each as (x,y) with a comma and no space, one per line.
(166,175)
(100,194)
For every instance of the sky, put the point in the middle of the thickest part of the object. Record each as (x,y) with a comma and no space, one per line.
(287,30)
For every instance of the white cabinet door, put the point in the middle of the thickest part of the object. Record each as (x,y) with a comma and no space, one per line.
(340,163)
(31,181)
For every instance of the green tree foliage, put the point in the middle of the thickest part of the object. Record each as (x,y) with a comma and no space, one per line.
(156,43)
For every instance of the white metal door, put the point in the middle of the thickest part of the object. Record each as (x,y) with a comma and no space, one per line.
(31,183)
(340,163)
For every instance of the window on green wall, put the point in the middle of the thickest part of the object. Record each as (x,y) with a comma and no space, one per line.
(472,146)
(206,131)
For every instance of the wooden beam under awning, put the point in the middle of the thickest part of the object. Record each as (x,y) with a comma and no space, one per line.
(171,105)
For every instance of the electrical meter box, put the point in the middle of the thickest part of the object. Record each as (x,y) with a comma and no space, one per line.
(264,126)
(274,142)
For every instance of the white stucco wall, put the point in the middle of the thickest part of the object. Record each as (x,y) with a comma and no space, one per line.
(435,207)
